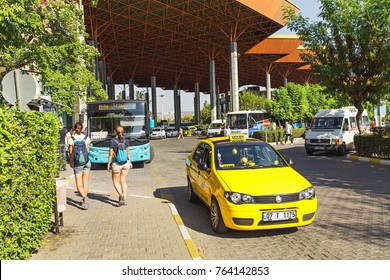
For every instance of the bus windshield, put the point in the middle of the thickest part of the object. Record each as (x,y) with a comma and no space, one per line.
(246,122)
(103,126)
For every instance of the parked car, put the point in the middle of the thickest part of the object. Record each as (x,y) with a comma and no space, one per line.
(171,132)
(189,130)
(248,185)
(158,133)
(215,128)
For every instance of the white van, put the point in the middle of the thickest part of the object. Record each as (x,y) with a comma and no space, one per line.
(215,128)
(333,130)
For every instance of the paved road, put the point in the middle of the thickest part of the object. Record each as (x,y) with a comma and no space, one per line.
(352,220)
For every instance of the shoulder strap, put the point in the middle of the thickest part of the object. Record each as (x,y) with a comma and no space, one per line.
(85,138)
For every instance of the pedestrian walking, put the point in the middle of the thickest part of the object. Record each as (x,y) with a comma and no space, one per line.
(119,162)
(180,136)
(227,131)
(288,133)
(79,161)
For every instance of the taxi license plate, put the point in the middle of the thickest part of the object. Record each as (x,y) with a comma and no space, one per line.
(279,216)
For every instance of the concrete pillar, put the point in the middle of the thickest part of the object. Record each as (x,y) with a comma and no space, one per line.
(234,71)
(131,89)
(285,82)
(176,102)
(154,98)
(197,104)
(212,90)
(147,100)
(103,74)
(218,103)
(268,77)
(110,89)
(94,43)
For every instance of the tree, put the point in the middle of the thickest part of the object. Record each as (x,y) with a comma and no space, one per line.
(187,118)
(251,101)
(205,114)
(44,37)
(280,105)
(349,49)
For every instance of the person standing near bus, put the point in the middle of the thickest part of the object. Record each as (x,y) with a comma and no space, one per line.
(119,162)
(79,161)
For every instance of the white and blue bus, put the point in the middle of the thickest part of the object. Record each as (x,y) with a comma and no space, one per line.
(246,122)
(104,116)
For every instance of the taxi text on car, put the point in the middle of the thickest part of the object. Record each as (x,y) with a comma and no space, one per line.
(248,185)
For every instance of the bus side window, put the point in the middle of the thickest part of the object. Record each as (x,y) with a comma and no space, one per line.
(353,122)
(346,125)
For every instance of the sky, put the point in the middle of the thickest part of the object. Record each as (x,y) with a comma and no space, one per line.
(308,8)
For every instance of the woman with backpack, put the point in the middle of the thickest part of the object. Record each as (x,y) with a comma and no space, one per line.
(79,161)
(119,161)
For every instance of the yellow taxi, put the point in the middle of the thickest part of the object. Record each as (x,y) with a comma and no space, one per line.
(248,185)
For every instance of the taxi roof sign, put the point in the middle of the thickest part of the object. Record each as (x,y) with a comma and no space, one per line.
(237,138)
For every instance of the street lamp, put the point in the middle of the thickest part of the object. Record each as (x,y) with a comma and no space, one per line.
(162,112)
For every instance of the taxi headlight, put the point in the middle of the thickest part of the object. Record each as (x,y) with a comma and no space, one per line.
(239,198)
(308,193)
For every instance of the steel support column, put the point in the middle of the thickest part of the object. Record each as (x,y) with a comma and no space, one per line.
(213,109)
(197,104)
(131,89)
(154,98)
(218,103)
(234,72)
(268,77)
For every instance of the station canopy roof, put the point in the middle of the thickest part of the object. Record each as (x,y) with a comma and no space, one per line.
(174,40)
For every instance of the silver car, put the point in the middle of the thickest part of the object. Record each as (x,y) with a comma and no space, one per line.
(158,133)
(171,132)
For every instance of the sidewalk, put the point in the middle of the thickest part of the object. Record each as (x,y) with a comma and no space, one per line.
(146,228)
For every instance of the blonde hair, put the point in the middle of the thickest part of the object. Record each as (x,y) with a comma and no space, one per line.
(119,133)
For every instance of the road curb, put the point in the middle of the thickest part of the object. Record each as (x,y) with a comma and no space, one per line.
(182,228)
(370,160)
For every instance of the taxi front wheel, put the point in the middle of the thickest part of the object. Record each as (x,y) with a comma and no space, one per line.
(216,218)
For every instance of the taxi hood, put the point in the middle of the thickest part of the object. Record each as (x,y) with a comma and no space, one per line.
(264,181)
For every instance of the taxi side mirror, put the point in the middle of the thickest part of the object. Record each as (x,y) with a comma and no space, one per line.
(203,166)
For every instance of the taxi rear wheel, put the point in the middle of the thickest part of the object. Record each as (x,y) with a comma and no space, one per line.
(216,218)
(190,193)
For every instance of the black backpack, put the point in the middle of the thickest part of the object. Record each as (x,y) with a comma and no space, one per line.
(81,155)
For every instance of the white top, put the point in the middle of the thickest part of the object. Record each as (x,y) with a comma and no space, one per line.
(79,137)
(288,128)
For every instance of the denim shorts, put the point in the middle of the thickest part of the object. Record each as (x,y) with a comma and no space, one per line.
(79,169)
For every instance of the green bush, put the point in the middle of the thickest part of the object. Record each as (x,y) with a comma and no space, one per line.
(277,135)
(372,145)
(28,164)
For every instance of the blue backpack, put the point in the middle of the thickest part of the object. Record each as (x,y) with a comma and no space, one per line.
(81,155)
(121,154)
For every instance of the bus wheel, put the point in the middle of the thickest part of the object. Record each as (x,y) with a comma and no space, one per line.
(151,156)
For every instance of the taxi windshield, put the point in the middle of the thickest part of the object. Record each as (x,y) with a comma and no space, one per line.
(246,155)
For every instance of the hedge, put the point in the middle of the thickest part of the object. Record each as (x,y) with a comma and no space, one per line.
(277,135)
(372,145)
(28,164)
